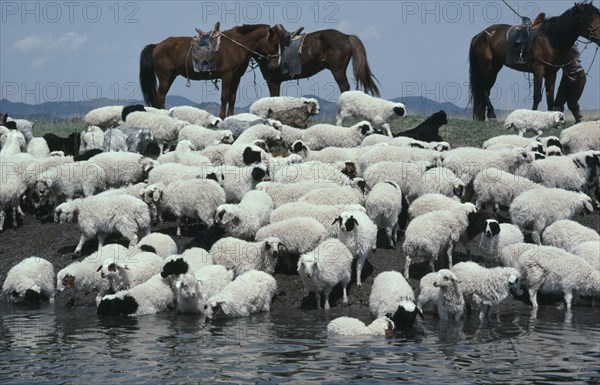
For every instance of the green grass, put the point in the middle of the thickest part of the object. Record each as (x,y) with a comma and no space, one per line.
(58,128)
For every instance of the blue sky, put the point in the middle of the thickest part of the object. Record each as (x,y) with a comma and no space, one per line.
(72,50)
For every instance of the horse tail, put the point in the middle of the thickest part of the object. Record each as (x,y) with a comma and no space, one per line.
(360,65)
(148,80)
(476,84)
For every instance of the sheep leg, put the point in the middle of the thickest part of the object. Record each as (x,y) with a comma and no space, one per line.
(568,299)
(179,226)
(395,230)
(326,293)
(432,264)
(359,266)
(443,313)
(535,235)
(80,244)
(533,296)
(386,127)
(318,295)
(450,248)
(14,215)
(406,266)
(344,293)
(101,238)
(389,234)
(2,216)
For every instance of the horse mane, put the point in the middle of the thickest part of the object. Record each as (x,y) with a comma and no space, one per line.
(559,29)
(248,28)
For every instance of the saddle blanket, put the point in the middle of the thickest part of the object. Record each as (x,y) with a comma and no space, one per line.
(204,52)
(290,57)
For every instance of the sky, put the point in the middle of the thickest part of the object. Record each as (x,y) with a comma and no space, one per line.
(79,50)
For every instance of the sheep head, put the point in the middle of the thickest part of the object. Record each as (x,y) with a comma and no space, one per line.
(405,314)
(365,128)
(444,279)
(399,109)
(559,118)
(65,212)
(308,265)
(297,147)
(175,267)
(346,221)
(187,286)
(492,228)
(260,173)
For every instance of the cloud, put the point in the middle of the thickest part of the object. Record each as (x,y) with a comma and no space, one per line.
(70,41)
(40,63)
(365,33)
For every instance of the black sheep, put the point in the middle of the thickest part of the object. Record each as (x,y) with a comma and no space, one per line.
(69,145)
(428,131)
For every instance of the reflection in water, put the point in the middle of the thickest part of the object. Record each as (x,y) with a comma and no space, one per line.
(52,345)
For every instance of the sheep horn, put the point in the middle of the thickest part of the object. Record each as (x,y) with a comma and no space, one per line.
(296,32)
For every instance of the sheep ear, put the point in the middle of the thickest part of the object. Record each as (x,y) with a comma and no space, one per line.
(338,219)
(49,182)
(354,220)
(178,284)
(235,221)
(70,282)
(57,215)
(267,246)
(99,268)
(156,195)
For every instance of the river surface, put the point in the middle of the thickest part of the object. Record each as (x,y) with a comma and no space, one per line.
(51,345)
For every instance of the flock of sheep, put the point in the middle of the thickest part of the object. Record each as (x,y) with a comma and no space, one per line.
(322,204)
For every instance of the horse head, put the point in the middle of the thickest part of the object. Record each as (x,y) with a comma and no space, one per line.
(277,38)
(590,21)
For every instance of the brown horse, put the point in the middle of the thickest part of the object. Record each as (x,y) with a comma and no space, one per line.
(327,49)
(548,54)
(171,58)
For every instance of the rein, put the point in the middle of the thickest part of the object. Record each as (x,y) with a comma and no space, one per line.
(249,49)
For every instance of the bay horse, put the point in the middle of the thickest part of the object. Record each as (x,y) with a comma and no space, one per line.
(171,58)
(549,51)
(326,49)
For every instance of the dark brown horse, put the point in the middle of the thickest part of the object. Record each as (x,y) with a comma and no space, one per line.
(548,54)
(171,58)
(327,49)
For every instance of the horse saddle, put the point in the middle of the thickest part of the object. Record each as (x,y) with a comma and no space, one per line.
(204,49)
(519,39)
(290,57)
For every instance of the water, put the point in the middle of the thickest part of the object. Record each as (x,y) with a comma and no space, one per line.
(50,345)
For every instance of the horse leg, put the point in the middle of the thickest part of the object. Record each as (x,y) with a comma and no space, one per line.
(341,79)
(550,81)
(224,96)
(164,84)
(233,94)
(538,77)
(274,88)
(493,73)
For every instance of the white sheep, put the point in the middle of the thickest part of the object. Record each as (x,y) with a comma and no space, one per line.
(529,120)
(249,293)
(194,115)
(334,195)
(410,142)
(244,220)
(512,140)
(311,171)
(590,252)
(104,117)
(485,287)
(392,296)
(242,256)
(321,213)
(348,326)
(238,181)
(151,297)
(187,262)
(538,208)
(467,162)
(30,281)
(442,288)
(91,138)
(568,234)
(66,181)
(496,237)
(258,131)
(383,205)
(244,155)
(288,110)
(115,140)
(195,289)
(330,154)
(167,173)
(499,188)
(550,269)
(378,154)
(134,270)
(298,234)
(202,137)
(379,111)
(38,147)
(12,188)
(358,232)
(123,168)
(429,235)
(431,202)
(282,193)
(194,199)
(553,151)
(322,135)
(581,137)
(14,143)
(164,129)
(98,216)
(290,134)
(157,243)
(576,172)
(215,153)
(324,267)
(185,153)
(240,122)
(83,275)
(24,126)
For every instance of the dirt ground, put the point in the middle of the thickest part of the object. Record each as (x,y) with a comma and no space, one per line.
(56,242)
